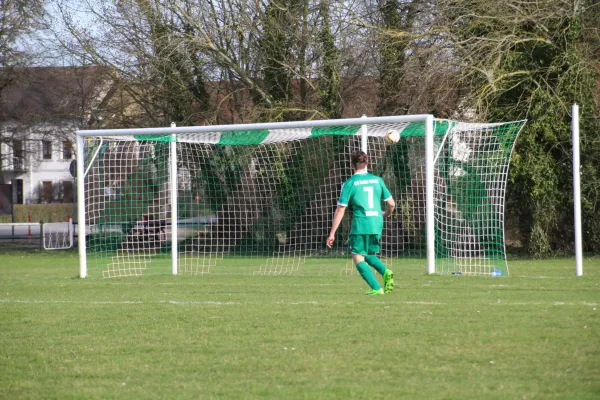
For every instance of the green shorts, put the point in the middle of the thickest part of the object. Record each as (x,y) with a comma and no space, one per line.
(364,244)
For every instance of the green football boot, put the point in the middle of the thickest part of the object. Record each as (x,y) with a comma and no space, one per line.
(388,280)
(374,292)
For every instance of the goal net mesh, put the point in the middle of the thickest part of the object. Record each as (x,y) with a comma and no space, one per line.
(262,201)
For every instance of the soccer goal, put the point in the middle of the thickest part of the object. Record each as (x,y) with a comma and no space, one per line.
(259,198)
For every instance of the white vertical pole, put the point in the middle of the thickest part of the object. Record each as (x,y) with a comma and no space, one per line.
(173,179)
(577,190)
(364,142)
(81,207)
(429,176)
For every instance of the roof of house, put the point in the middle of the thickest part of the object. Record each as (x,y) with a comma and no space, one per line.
(53,94)
(29,95)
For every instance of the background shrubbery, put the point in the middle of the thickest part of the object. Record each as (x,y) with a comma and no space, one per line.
(58,212)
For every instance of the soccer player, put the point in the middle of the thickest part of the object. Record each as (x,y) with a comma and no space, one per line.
(365,192)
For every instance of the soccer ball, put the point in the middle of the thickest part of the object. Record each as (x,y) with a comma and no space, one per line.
(392,136)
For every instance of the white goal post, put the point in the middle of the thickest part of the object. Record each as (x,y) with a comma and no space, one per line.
(206,199)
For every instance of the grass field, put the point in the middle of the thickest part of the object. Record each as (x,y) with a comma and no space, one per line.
(533,335)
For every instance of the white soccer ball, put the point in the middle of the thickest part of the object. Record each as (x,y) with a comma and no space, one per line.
(392,136)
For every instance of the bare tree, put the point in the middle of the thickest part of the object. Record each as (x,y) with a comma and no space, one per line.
(219,60)
(17,19)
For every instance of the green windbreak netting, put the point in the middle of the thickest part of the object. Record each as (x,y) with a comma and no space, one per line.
(262,201)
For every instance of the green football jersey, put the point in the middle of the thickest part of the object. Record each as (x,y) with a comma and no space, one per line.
(365,192)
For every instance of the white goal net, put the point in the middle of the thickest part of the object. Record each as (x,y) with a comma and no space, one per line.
(259,199)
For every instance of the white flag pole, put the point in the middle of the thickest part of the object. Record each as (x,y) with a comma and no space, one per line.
(577,190)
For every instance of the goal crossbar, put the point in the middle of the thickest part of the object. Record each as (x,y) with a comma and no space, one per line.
(253,127)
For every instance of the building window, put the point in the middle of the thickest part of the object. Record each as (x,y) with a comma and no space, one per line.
(47,191)
(17,146)
(46,150)
(67,152)
(67,191)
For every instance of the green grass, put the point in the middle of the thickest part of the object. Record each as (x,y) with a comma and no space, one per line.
(533,335)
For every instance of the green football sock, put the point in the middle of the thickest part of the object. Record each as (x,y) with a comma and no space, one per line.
(365,271)
(376,263)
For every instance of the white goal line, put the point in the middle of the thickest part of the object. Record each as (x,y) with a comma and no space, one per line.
(289,303)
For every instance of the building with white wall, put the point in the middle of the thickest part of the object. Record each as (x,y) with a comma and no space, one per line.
(40,109)
(37,165)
